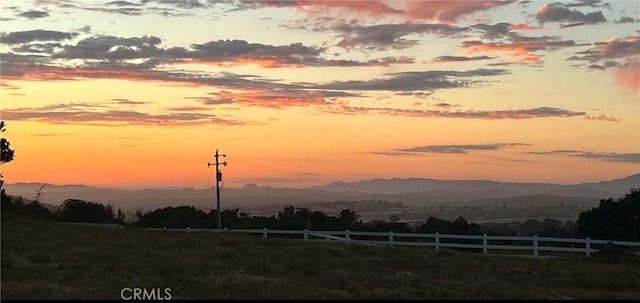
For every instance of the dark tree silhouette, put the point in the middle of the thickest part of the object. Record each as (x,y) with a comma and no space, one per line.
(6,153)
(73,210)
(459,226)
(348,218)
(613,220)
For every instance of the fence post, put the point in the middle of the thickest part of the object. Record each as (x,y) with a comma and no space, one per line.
(391,237)
(587,247)
(484,244)
(535,246)
(437,241)
(264,232)
(346,235)
(305,234)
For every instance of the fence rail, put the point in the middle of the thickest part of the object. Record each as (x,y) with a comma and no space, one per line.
(484,243)
(534,244)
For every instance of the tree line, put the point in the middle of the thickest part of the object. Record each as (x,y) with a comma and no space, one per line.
(611,219)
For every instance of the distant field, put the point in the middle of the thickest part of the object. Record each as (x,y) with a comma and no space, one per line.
(46,260)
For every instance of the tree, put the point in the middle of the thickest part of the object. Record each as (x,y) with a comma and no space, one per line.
(613,220)
(73,210)
(6,155)
(347,218)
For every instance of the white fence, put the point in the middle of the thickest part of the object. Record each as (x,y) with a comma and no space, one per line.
(437,241)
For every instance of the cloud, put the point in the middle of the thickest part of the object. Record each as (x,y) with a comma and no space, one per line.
(113,117)
(239,50)
(523,48)
(35,35)
(518,114)
(558,12)
(448,11)
(602,118)
(613,157)
(590,3)
(212,100)
(627,20)
(459,149)
(275,98)
(415,81)
(416,94)
(460,58)
(622,53)
(189,108)
(394,153)
(34,14)
(122,3)
(19,67)
(445,105)
(112,48)
(117,53)
(611,49)
(574,24)
(493,31)
(125,101)
(388,36)
(434,10)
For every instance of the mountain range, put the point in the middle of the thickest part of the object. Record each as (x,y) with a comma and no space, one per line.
(415,192)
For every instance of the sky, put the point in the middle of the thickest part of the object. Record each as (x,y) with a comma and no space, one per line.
(140,94)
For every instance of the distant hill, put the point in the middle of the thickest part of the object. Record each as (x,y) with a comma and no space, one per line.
(411,191)
(413,185)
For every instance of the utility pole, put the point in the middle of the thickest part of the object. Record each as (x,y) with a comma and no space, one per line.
(218,179)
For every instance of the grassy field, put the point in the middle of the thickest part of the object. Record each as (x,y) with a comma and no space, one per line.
(50,260)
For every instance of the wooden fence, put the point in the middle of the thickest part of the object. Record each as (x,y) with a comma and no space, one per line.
(483,243)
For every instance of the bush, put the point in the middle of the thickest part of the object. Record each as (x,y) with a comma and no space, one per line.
(73,210)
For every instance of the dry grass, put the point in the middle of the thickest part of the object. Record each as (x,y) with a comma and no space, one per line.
(46,260)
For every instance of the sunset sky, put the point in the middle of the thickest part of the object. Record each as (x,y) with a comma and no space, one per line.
(141,93)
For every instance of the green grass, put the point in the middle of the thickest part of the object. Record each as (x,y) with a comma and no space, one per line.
(43,259)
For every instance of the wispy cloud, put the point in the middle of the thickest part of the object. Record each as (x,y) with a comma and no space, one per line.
(460,58)
(523,48)
(125,101)
(614,157)
(388,36)
(459,149)
(532,113)
(448,149)
(416,81)
(602,118)
(113,117)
